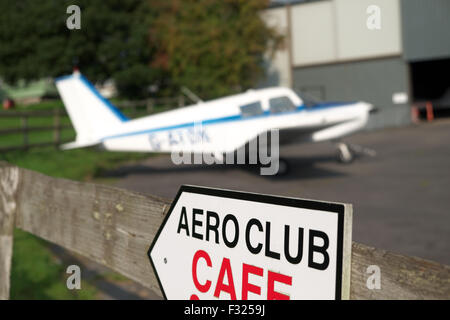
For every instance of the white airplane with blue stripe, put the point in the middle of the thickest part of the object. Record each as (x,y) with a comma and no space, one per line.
(219,126)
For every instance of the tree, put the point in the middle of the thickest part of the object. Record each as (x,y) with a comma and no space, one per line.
(213,47)
(112,42)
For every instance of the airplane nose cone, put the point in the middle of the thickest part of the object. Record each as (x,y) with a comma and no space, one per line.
(369,107)
(372,109)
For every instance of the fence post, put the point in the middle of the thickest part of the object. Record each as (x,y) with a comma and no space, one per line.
(57,127)
(9,181)
(181,101)
(25,131)
(150,105)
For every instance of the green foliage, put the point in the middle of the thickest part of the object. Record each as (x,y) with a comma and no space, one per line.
(35,42)
(213,47)
(129,81)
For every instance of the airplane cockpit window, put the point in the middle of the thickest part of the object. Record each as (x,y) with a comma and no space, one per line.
(251,109)
(281,104)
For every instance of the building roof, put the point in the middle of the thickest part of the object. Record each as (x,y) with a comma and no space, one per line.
(281,3)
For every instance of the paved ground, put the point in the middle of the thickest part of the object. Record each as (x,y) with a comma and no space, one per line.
(401,197)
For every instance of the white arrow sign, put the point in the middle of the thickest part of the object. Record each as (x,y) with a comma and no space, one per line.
(220,244)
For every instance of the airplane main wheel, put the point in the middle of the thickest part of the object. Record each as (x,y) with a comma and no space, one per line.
(345,155)
(283,167)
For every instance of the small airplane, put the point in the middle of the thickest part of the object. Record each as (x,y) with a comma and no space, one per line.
(223,125)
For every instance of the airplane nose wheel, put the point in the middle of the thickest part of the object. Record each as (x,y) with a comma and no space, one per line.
(344,153)
(348,152)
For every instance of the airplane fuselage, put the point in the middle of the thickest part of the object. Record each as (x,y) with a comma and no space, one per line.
(221,124)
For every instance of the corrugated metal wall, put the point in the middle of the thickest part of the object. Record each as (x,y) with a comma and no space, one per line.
(337,30)
(374,81)
(426,29)
(355,40)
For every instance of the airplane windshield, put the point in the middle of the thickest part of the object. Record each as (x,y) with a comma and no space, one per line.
(251,109)
(308,99)
(281,104)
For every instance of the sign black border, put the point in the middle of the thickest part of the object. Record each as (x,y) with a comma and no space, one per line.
(269,199)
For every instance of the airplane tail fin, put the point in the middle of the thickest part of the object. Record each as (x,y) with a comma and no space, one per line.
(91,114)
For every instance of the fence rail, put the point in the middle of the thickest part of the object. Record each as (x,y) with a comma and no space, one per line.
(134,108)
(25,129)
(115,227)
(150,104)
(33,129)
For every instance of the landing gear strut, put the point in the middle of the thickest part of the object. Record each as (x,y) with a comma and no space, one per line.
(344,153)
(348,152)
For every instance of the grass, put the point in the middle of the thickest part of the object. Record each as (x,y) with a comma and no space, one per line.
(36,274)
(77,164)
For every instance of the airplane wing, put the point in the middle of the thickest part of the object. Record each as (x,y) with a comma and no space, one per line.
(240,136)
(304,133)
(76,145)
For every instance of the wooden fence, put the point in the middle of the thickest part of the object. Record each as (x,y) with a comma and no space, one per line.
(25,129)
(115,227)
(133,108)
(150,104)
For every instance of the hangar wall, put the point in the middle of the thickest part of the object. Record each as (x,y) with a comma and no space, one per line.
(334,55)
(313,36)
(425,27)
(277,66)
(375,81)
(336,30)
(356,41)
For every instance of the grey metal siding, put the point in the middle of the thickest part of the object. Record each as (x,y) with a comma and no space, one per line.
(374,81)
(425,27)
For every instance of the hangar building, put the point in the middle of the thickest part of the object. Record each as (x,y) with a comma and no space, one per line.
(391,53)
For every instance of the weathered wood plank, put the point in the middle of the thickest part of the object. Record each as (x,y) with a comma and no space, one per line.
(115,227)
(9,181)
(402,277)
(108,225)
